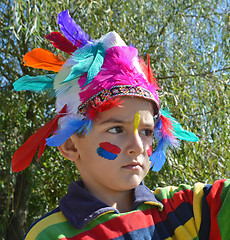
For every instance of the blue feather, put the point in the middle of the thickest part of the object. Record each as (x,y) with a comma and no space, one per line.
(75,126)
(34,83)
(158,157)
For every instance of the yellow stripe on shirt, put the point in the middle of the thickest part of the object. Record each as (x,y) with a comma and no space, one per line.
(44,223)
(198,194)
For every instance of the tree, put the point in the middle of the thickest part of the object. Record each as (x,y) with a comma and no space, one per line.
(188,43)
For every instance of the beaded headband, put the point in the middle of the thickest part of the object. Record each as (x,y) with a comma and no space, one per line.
(91,80)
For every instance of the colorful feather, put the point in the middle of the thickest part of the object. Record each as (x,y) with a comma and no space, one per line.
(34,83)
(61,42)
(177,129)
(93,111)
(158,157)
(80,127)
(148,72)
(24,155)
(97,61)
(87,59)
(43,59)
(71,30)
(117,69)
(167,130)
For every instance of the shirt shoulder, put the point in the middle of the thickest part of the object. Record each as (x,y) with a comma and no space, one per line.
(51,226)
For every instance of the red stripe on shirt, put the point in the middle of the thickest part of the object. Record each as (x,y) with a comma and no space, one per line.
(214,203)
(116,228)
(180,197)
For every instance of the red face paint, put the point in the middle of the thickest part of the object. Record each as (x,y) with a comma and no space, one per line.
(110,147)
(150,150)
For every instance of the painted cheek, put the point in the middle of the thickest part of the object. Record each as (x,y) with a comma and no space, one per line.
(136,122)
(108,150)
(150,150)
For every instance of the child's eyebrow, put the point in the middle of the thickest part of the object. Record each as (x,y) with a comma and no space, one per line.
(115,120)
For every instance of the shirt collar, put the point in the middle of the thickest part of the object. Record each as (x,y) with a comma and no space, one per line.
(80,207)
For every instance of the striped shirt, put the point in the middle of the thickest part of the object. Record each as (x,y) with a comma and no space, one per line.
(184,212)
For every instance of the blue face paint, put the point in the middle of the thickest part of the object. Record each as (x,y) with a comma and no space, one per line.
(105,154)
(108,150)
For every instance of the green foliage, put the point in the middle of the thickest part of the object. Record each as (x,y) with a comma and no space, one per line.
(188,43)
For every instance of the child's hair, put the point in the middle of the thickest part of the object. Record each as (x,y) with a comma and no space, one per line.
(93,79)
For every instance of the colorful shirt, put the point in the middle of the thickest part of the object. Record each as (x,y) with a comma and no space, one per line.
(199,212)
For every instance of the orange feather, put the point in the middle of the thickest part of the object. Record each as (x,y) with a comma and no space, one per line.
(43,59)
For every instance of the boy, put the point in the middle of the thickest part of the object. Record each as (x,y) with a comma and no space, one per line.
(108,111)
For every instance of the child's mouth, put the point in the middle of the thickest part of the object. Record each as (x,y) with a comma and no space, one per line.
(133,166)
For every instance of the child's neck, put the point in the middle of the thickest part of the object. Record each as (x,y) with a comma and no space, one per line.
(121,200)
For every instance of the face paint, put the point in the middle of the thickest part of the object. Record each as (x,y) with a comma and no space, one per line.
(150,150)
(136,122)
(108,150)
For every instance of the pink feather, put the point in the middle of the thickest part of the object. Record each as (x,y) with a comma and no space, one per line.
(117,69)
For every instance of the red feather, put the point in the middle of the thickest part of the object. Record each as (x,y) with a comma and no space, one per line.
(24,155)
(61,42)
(92,111)
(148,72)
(167,127)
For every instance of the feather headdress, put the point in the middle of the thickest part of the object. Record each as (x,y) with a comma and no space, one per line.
(90,81)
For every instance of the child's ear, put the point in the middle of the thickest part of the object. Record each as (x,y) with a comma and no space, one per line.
(69,150)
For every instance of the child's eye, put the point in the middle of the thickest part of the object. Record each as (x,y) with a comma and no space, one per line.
(147,132)
(115,130)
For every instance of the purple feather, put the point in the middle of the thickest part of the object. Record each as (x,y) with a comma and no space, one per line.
(71,30)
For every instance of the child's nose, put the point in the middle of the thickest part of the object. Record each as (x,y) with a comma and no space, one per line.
(135,145)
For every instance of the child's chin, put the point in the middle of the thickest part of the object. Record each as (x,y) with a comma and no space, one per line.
(133,184)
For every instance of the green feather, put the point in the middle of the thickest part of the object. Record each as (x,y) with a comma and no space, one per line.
(178,131)
(34,83)
(97,62)
(87,59)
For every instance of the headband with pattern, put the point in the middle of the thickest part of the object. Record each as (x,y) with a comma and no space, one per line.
(91,80)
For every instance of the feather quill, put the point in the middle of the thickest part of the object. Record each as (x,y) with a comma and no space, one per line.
(34,83)
(61,42)
(43,59)
(71,30)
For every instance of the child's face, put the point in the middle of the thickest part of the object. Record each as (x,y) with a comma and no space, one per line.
(114,154)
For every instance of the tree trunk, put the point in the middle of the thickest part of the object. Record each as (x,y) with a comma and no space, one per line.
(19,207)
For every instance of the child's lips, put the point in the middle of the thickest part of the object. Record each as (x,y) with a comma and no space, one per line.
(133,166)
